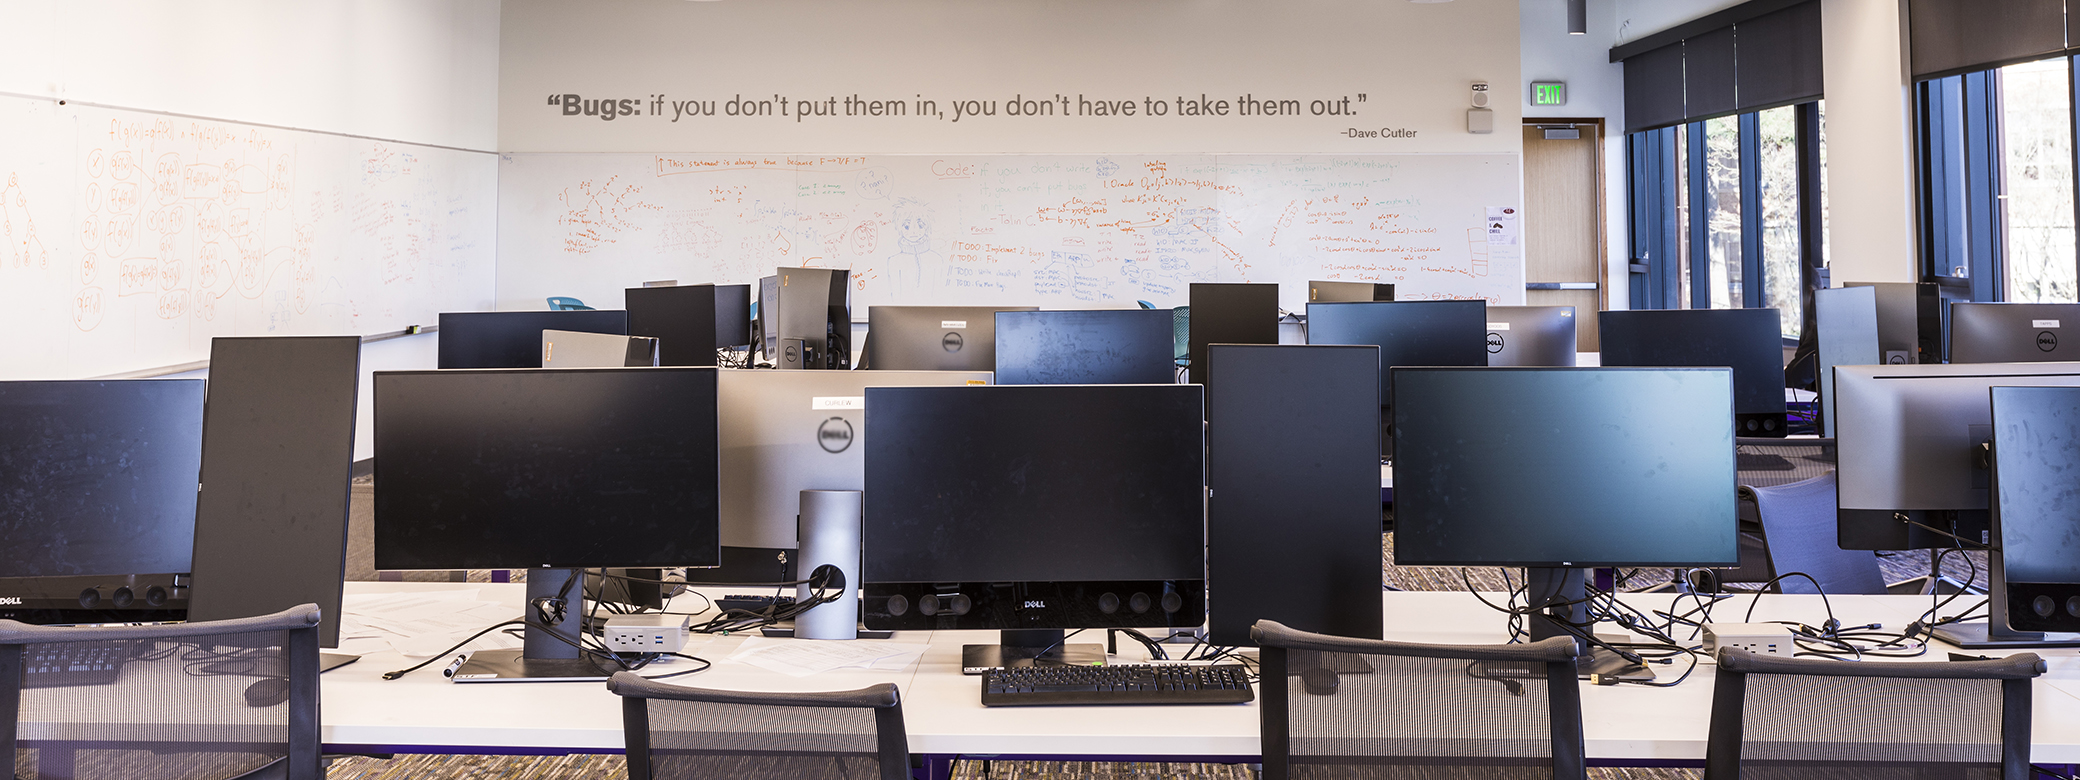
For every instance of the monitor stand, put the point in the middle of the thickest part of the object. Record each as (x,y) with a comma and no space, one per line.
(330,661)
(1993,633)
(1022,647)
(1569,587)
(543,658)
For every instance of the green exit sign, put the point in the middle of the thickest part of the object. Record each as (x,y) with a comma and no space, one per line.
(1548,93)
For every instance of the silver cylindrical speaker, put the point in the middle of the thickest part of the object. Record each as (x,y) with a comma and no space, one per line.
(829,533)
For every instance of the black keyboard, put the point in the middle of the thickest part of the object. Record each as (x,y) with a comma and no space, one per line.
(753,603)
(1031,685)
(69,664)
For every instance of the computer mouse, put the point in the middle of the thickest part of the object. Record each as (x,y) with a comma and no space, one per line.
(1319,681)
(267,692)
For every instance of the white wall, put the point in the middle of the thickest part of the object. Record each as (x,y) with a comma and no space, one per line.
(1413,62)
(1640,18)
(424,71)
(1595,88)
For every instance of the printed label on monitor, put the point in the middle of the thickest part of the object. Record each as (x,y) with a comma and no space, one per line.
(953,324)
(827,402)
(1498,326)
(2043,323)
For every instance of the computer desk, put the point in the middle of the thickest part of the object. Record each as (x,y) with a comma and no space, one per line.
(424,713)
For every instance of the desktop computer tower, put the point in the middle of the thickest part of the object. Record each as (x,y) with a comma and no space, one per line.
(809,304)
(1293,503)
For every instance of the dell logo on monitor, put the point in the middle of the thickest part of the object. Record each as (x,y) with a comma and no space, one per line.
(952,342)
(834,435)
(1035,604)
(1494,343)
(10,601)
(2047,341)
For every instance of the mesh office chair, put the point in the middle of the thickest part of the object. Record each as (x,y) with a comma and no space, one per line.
(1800,717)
(1763,463)
(675,732)
(1799,529)
(197,701)
(1334,707)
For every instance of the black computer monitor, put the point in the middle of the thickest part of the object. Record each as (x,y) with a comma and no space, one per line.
(732,315)
(513,339)
(97,485)
(1034,508)
(2014,332)
(1909,440)
(2034,568)
(682,319)
(1750,341)
(1408,333)
(1531,335)
(277,472)
(551,470)
(1347,292)
(1108,347)
(1228,314)
(1558,469)
(933,338)
(98,477)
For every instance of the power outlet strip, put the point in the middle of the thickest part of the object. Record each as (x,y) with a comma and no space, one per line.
(1757,638)
(646,633)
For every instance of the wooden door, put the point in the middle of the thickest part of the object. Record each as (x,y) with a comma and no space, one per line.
(1563,222)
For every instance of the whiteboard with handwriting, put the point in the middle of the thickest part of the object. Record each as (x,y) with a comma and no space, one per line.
(1058,231)
(128,240)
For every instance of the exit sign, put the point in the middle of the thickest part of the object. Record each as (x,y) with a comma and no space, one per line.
(1548,93)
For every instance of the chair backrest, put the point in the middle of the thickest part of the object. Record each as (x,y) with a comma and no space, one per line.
(562,303)
(676,732)
(216,699)
(1804,717)
(1330,705)
(1799,528)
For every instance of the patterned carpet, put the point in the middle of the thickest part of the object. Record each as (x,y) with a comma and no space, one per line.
(360,566)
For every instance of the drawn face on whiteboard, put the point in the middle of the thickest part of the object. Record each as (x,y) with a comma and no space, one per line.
(913,225)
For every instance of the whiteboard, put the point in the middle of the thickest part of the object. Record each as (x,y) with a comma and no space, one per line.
(1058,231)
(129,239)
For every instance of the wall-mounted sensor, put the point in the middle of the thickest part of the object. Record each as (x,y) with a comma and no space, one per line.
(1480,94)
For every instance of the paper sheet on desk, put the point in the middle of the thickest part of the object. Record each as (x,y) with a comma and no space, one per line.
(805,657)
(420,624)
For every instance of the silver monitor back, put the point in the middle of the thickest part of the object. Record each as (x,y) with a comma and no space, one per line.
(1846,334)
(1899,328)
(1531,336)
(784,432)
(2013,332)
(934,338)
(572,349)
(1906,435)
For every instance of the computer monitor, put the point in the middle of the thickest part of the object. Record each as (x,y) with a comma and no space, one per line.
(1531,335)
(1558,469)
(1348,292)
(1899,321)
(1228,314)
(1846,325)
(732,315)
(552,470)
(1032,509)
(682,318)
(2034,568)
(513,339)
(933,338)
(575,349)
(277,469)
(812,306)
(784,432)
(1408,333)
(1105,347)
(1908,439)
(98,477)
(2014,332)
(1750,341)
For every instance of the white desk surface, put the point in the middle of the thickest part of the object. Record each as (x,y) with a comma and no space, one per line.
(424,712)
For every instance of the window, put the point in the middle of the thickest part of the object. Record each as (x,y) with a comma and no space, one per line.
(2036,140)
(1723,197)
(1997,181)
